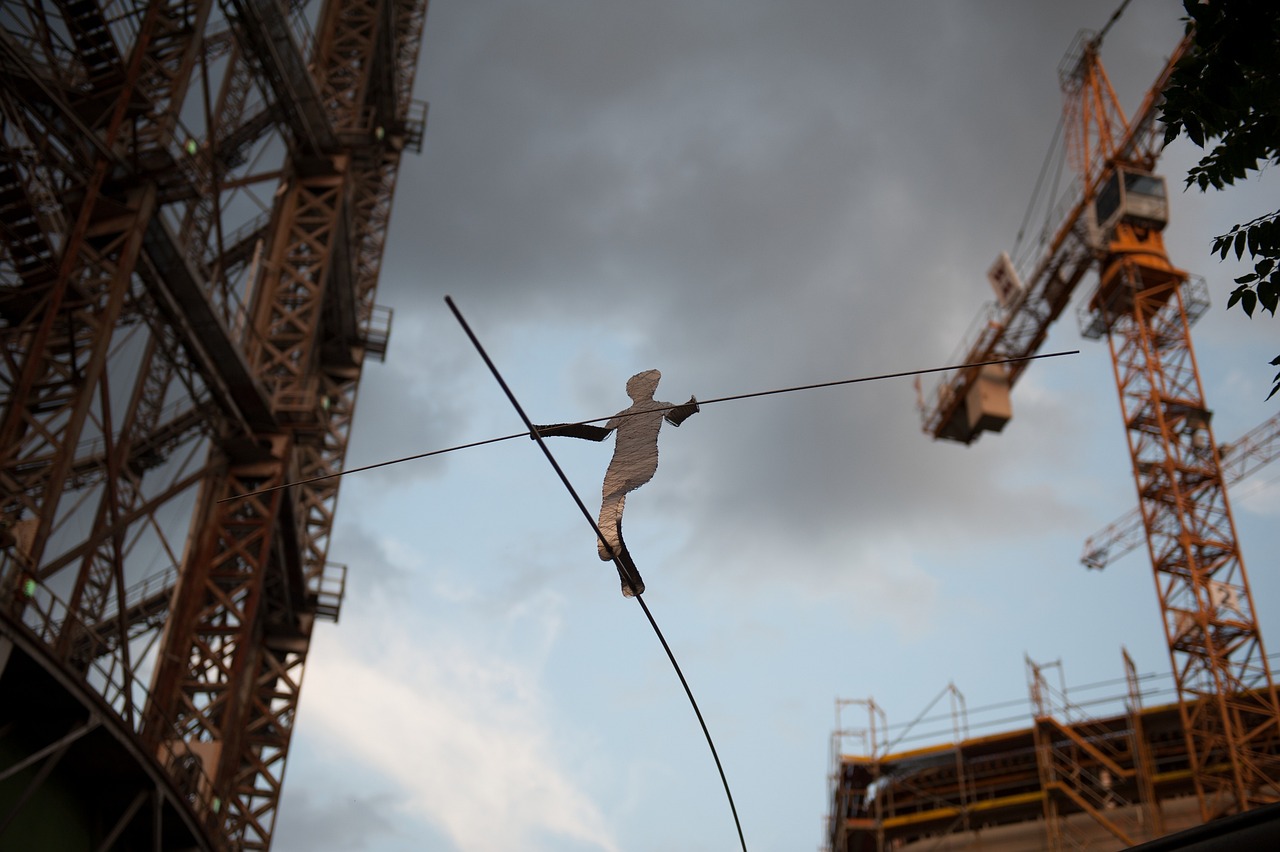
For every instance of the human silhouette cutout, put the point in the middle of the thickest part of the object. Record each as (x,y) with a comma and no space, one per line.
(635,459)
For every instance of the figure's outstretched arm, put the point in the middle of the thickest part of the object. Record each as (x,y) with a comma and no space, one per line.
(681,413)
(572,430)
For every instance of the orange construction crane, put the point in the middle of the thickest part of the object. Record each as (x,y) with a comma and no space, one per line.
(1144,307)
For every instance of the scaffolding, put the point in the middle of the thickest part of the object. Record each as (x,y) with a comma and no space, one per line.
(1103,769)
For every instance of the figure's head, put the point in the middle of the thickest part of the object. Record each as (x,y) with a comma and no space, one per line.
(641,386)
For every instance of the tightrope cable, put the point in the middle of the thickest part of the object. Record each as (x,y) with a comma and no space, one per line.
(475,341)
(792,389)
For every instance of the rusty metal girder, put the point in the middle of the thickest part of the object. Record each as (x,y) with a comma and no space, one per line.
(264,31)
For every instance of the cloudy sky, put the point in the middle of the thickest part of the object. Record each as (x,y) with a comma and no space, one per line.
(746,195)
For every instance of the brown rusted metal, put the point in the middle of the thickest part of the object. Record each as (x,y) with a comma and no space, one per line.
(161,350)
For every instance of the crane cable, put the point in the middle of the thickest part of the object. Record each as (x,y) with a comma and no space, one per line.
(1051,156)
(1115,16)
(1054,154)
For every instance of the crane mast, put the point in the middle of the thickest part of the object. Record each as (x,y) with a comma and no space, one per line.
(1144,307)
(1239,459)
(194,200)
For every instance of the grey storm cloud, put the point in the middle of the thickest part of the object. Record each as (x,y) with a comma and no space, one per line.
(761,195)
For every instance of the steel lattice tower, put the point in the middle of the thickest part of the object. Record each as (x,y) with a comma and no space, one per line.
(1145,307)
(194,199)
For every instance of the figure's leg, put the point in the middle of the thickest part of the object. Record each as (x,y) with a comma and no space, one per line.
(611,524)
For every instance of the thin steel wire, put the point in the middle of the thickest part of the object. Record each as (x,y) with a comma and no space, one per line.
(732,398)
(475,341)
(1033,203)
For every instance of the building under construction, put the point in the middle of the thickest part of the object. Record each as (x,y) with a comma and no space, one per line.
(1101,770)
(194,199)
(1072,778)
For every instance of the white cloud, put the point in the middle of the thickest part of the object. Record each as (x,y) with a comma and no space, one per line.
(460,730)
(1259,496)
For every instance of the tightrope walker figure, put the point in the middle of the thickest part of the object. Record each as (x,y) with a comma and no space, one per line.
(635,459)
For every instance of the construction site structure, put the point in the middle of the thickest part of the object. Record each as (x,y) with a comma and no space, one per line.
(1144,307)
(1070,779)
(194,202)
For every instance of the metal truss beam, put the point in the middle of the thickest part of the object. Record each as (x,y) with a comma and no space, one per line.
(181,295)
(263,29)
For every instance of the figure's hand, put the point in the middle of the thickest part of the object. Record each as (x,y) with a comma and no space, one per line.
(537,430)
(681,413)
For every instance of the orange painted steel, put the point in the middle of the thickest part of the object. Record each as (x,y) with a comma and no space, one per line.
(1239,459)
(1146,307)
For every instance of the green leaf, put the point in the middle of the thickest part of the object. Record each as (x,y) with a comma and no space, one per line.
(1269,295)
(1269,234)
(1248,301)
(1245,279)
(1240,241)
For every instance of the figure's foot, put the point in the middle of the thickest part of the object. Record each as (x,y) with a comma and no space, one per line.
(632,585)
(606,555)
